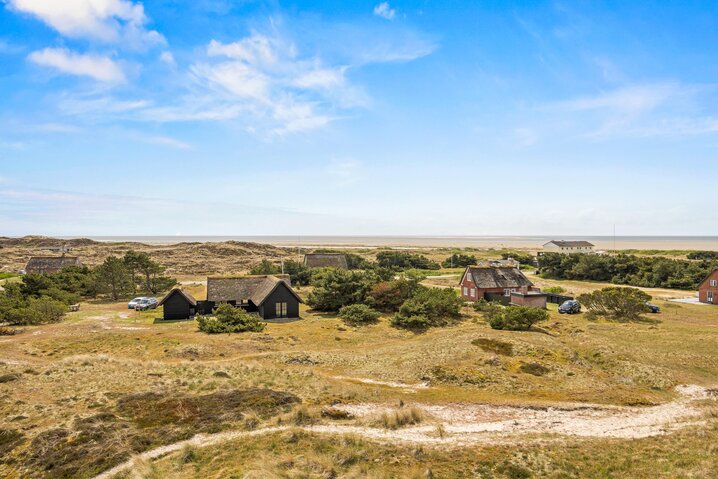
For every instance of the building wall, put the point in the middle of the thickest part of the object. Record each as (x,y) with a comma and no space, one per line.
(552,248)
(268,309)
(534,301)
(706,287)
(177,307)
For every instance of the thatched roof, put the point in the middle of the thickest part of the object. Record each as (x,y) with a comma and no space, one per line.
(51,264)
(504,277)
(326,260)
(247,288)
(174,291)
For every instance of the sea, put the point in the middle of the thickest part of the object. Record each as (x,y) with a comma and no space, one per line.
(498,242)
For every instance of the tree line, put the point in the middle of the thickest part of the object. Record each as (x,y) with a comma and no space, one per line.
(642,271)
(42,298)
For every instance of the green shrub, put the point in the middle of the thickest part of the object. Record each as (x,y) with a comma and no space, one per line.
(30,311)
(358,314)
(334,288)
(554,290)
(517,318)
(428,307)
(266,267)
(644,271)
(458,260)
(388,296)
(621,304)
(400,260)
(228,319)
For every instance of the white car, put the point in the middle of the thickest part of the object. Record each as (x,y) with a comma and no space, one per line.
(134,302)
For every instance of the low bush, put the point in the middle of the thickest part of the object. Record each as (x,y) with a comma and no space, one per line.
(459,260)
(388,296)
(620,304)
(428,307)
(334,288)
(228,319)
(517,318)
(358,314)
(554,290)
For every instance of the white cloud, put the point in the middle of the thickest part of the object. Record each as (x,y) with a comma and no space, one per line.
(384,10)
(268,78)
(168,58)
(630,99)
(669,109)
(112,21)
(100,68)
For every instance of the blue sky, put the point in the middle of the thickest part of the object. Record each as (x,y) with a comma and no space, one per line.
(407,117)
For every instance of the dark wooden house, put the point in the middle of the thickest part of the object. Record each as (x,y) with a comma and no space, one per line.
(178,304)
(50,264)
(270,296)
(326,260)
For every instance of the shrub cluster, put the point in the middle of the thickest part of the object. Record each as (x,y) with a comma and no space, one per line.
(335,288)
(299,273)
(428,307)
(228,319)
(516,318)
(401,260)
(459,260)
(358,314)
(644,271)
(621,304)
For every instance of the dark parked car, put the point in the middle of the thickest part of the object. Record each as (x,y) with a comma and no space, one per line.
(146,303)
(570,307)
(652,308)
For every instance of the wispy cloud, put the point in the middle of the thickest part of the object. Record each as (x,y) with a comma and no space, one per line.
(101,68)
(385,11)
(113,21)
(168,141)
(641,110)
(344,172)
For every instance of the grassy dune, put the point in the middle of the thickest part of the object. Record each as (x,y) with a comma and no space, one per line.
(72,382)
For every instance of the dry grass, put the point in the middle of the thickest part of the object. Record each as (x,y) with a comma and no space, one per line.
(77,381)
(397,418)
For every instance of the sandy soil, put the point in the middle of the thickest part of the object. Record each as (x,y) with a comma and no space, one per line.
(459,425)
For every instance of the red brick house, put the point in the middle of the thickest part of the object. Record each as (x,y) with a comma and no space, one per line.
(708,289)
(478,281)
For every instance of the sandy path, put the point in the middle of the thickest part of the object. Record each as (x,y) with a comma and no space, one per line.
(470,424)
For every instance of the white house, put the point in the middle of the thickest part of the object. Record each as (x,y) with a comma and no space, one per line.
(568,247)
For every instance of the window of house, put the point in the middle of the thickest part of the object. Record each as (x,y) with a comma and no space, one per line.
(466,291)
(281,310)
(714,282)
(710,296)
(473,292)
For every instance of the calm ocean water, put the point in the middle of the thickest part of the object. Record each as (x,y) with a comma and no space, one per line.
(601,242)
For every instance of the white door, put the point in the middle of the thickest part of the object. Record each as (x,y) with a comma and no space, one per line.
(710,296)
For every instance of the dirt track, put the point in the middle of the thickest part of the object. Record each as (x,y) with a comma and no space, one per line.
(464,425)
